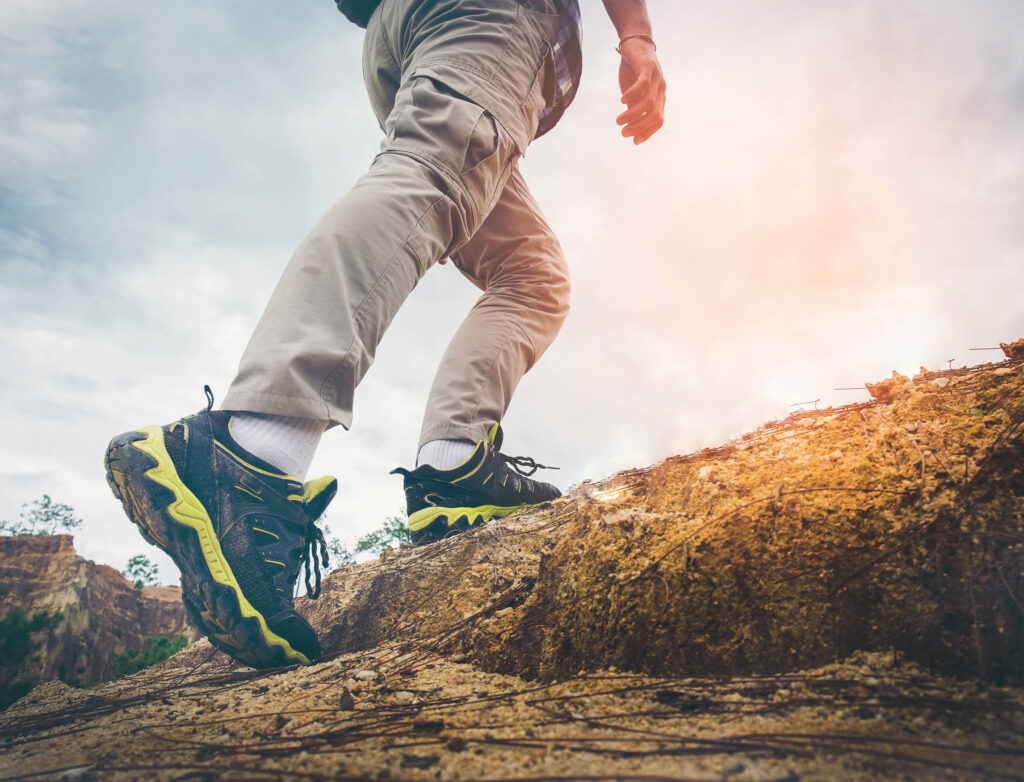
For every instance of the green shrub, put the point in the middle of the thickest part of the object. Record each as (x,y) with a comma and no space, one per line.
(16,644)
(155,649)
(10,691)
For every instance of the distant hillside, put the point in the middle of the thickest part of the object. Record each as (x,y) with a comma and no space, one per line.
(92,612)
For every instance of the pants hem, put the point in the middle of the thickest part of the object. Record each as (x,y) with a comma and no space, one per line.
(268,402)
(454,432)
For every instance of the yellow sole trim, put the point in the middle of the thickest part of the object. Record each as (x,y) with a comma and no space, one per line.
(188,510)
(427,516)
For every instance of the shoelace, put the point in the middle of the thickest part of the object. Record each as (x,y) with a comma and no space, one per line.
(524,465)
(314,535)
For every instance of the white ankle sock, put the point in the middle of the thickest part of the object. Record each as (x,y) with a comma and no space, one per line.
(285,442)
(445,454)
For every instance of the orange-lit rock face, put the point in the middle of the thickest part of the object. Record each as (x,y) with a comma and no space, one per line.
(1013,350)
(890,525)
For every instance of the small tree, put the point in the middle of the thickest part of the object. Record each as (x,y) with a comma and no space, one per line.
(42,517)
(142,571)
(393,530)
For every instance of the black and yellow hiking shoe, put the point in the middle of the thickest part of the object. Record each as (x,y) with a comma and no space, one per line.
(237,528)
(486,486)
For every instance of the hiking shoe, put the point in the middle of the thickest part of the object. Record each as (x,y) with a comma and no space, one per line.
(484,487)
(237,528)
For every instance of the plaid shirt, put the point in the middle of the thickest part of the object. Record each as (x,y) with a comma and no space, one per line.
(568,57)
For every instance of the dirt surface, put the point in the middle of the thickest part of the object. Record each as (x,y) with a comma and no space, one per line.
(839,595)
(384,715)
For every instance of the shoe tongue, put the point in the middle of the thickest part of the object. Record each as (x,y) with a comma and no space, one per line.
(317,495)
(495,436)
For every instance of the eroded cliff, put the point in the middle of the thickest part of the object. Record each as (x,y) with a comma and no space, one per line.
(101,612)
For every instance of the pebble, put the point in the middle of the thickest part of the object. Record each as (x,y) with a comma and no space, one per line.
(345,700)
(460,658)
(404,696)
(419,761)
(365,676)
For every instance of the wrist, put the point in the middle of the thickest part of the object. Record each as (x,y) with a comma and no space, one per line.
(646,37)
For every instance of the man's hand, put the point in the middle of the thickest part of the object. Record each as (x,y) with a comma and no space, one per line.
(643,90)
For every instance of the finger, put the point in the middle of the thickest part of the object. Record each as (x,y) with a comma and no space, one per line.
(649,131)
(634,113)
(639,89)
(644,129)
(647,126)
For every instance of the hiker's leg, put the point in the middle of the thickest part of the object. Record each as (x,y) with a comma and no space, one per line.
(516,259)
(443,163)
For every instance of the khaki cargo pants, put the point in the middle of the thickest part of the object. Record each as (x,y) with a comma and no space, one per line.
(456,86)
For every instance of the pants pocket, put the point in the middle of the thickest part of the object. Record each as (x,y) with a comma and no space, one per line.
(458,138)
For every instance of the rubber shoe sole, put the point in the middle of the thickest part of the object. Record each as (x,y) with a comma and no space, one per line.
(436,523)
(143,478)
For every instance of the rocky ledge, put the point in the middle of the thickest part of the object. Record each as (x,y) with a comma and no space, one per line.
(836,595)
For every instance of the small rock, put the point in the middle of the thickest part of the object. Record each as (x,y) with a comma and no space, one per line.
(460,658)
(345,700)
(304,684)
(419,761)
(684,701)
(404,696)
(366,676)
(704,472)
(456,744)
(733,768)
(428,726)
(864,713)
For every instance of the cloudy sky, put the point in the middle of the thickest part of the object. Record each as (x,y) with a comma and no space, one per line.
(838,192)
